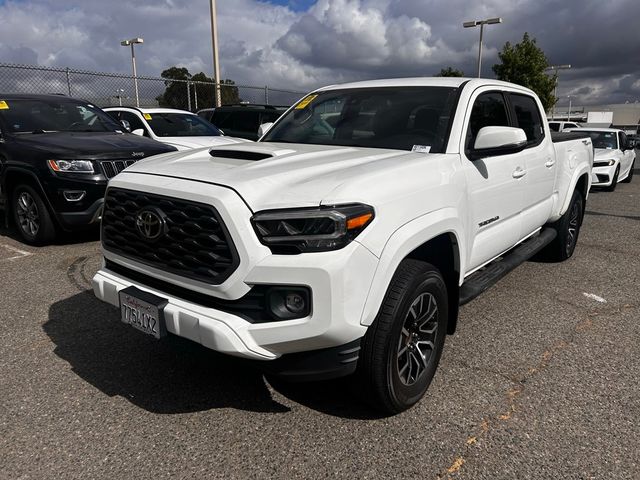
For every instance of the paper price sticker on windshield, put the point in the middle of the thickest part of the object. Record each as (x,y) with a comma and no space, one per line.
(306,101)
(421,148)
(147,116)
(3,105)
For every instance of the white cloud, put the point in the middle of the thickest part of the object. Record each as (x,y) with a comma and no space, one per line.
(336,40)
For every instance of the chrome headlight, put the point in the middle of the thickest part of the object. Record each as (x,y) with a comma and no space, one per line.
(604,163)
(71,166)
(291,231)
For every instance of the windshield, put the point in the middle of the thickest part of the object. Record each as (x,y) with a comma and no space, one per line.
(402,118)
(55,115)
(180,125)
(604,139)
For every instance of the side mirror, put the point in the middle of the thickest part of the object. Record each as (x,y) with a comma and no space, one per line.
(264,128)
(139,132)
(493,141)
(126,125)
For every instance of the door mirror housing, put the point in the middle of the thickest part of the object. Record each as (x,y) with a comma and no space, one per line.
(126,125)
(493,141)
(139,132)
(264,128)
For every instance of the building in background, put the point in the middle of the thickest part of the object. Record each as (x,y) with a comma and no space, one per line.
(625,116)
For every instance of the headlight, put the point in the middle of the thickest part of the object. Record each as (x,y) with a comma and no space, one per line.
(603,163)
(311,229)
(76,166)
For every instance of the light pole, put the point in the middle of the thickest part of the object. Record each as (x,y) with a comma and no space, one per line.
(119,93)
(214,44)
(569,113)
(482,23)
(132,42)
(555,68)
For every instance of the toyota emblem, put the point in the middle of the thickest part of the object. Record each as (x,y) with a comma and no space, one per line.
(151,224)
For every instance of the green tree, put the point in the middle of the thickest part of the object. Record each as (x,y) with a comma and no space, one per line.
(202,93)
(524,63)
(449,72)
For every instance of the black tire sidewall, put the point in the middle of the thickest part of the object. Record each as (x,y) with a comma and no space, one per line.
(577,197)
(405,396)
(46,230)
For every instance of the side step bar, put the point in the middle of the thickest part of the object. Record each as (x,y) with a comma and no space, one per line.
(484,279)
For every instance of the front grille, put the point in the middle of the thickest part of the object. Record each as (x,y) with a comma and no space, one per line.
(111,168)
(196,243)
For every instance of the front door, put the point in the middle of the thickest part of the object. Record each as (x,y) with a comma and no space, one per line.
(495,187)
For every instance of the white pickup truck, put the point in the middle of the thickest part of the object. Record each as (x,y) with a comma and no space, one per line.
(344,241)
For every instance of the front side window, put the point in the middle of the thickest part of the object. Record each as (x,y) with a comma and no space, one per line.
(55,115)
(180,125)
(554,126)
(527,116)
(489,110)
(380,117)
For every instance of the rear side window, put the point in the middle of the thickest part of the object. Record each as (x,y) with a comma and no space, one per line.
(554,126)
(527,116)
(489,110)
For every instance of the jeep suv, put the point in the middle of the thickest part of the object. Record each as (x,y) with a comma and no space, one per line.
(56,157)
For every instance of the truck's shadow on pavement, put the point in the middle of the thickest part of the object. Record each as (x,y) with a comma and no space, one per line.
(173,375)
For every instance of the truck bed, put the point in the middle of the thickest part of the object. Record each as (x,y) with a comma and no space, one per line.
(557,137)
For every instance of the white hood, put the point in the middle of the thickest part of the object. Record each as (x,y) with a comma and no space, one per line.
(606,153)
(186,143)
(299,175)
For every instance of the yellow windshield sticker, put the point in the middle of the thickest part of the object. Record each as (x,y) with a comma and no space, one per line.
(306,101)
(3,105)
(147,116)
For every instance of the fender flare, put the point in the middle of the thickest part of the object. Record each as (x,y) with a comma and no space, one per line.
(402,242)
(584,170)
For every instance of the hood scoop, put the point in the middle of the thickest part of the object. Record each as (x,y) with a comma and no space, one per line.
(239,154)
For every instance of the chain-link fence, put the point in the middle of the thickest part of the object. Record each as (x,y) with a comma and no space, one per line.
(106,89)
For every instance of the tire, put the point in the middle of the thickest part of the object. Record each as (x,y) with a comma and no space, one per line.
(630,176)
(31,216)
(614,180)
(390,372)
(568,230)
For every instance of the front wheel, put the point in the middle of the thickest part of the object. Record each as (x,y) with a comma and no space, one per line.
(402,348)
(630,176)
(31,216)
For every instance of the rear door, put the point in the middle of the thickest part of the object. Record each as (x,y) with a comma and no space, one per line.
(495,195)
(539,159)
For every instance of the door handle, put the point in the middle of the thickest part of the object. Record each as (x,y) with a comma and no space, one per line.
(519,173)
(550,163)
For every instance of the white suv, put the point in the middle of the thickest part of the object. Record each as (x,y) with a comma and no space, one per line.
(178,128)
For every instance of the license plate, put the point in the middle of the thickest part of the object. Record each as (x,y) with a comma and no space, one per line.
(143,310)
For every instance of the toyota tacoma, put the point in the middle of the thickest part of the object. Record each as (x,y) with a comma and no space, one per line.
(344,241)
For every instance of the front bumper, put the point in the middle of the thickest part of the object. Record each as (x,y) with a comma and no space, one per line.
(339,282)
(603,176)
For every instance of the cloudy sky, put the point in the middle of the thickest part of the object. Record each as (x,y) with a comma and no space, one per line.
(302,44)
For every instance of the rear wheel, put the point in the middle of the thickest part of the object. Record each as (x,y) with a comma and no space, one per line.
(31,216)
(402,348)
(630,176)
(614,180)
(568,230)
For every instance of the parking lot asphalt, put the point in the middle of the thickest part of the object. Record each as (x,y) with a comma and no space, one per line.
(540,381)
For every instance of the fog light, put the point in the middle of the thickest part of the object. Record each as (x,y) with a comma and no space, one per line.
(287,303)
(74,195)
(295,303)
